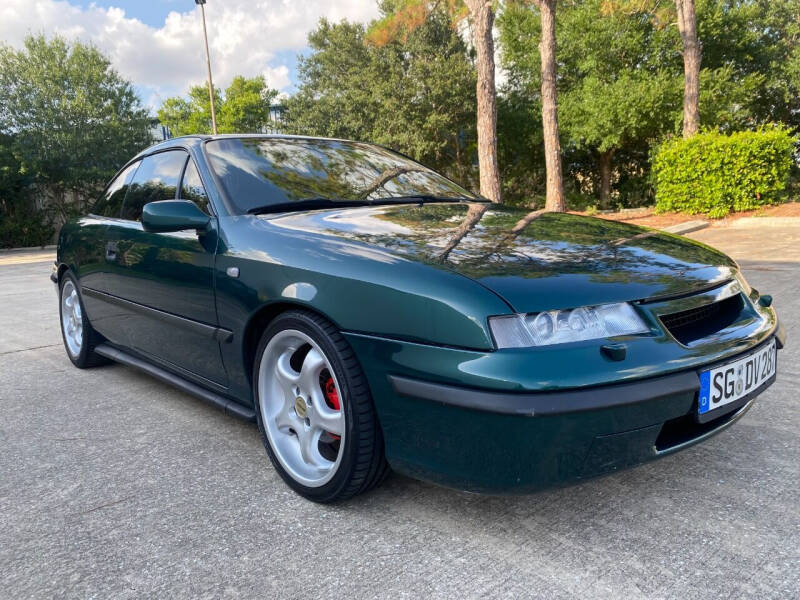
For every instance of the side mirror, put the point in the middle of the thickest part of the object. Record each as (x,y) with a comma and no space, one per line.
(173,215)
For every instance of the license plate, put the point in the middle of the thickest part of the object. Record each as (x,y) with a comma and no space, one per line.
(728,383)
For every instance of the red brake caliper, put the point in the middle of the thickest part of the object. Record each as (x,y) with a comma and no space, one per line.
(332,398)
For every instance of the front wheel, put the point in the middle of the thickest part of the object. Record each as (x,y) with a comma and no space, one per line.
(314,409)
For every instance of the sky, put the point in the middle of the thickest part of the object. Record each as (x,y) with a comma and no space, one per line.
(158,44)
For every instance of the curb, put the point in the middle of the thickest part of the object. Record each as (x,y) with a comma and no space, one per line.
(687,227)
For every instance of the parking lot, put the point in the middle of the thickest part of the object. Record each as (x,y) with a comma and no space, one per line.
(113,485)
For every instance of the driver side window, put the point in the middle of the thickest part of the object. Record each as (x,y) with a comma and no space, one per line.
(110,205)
(156,179)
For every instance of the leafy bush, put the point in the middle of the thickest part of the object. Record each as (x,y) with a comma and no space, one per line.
(24,229)
(20,224)
(715,173)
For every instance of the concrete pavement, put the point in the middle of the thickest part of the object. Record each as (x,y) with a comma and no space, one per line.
(113,485)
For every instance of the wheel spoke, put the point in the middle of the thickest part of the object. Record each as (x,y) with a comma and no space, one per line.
(313,364)
(284,419)
(309,448)
(326,418)
(286,375)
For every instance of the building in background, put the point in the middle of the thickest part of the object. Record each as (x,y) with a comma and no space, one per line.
(276,118)
(159,132)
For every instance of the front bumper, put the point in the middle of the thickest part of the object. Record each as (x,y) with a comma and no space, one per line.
(501,441)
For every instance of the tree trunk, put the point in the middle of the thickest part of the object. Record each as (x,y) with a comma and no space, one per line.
(605,178)
(692,55)
(552,148)
(482,20)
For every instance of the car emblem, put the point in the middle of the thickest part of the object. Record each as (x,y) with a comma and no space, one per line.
(300,407)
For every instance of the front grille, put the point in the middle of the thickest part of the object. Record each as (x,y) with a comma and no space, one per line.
(694,324)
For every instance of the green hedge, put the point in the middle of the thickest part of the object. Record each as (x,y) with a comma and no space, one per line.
(24,230)
(715,173)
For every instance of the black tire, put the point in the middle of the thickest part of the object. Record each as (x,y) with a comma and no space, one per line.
(86,357)
(363,465)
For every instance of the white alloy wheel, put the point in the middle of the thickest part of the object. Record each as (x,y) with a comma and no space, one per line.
(300,404)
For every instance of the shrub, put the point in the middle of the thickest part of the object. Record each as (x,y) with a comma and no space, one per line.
(715,173)
(22,229)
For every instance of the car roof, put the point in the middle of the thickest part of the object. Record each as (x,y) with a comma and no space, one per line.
(196,139)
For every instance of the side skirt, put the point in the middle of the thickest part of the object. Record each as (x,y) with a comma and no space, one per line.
(229,406)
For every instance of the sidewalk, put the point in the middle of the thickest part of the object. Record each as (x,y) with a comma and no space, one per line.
(756,240)
(24,256)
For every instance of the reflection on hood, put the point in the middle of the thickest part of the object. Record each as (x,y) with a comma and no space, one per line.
(506,249)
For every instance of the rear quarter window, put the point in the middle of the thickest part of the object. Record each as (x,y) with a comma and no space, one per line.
(192,187)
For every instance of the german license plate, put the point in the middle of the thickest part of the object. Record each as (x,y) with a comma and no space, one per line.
(728,383)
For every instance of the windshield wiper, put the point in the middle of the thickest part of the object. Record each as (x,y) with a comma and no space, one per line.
(305,204)
(322,202)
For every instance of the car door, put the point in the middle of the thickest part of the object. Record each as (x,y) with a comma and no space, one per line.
(164,282)
(90,255)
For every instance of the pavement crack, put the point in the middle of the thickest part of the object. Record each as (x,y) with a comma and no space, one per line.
(106,505)
(28,349)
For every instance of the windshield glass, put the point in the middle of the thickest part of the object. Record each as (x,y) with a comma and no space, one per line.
(257,172)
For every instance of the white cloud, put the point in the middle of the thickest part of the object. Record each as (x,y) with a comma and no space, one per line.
(277,77)
(245,36)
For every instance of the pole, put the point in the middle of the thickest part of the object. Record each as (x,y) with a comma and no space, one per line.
(208,64)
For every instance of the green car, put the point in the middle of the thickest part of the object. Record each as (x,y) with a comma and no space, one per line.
(369,313)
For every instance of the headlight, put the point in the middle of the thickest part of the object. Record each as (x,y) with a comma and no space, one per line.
(561,326)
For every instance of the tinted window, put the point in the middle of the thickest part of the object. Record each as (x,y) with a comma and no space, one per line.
(192,187)
(156,179)
(110,205)
(263,171)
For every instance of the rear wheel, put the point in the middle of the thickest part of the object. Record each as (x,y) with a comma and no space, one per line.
(79,337)
(314,409)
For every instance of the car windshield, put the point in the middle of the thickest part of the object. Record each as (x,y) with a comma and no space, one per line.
(258,173)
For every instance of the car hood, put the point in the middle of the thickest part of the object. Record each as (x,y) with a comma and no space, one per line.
(533,261)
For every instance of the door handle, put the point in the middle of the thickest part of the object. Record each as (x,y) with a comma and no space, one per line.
(111,251)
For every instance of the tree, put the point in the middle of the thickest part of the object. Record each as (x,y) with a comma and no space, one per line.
(552,147)
(482,16)
(403,16)
(72,118)
(686,16)
(620,85)
(188,115)
(751,54)
(692,54)
(416,95)
(243,109)
(20,226)
(617,94)
(336,84)
(608,116)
